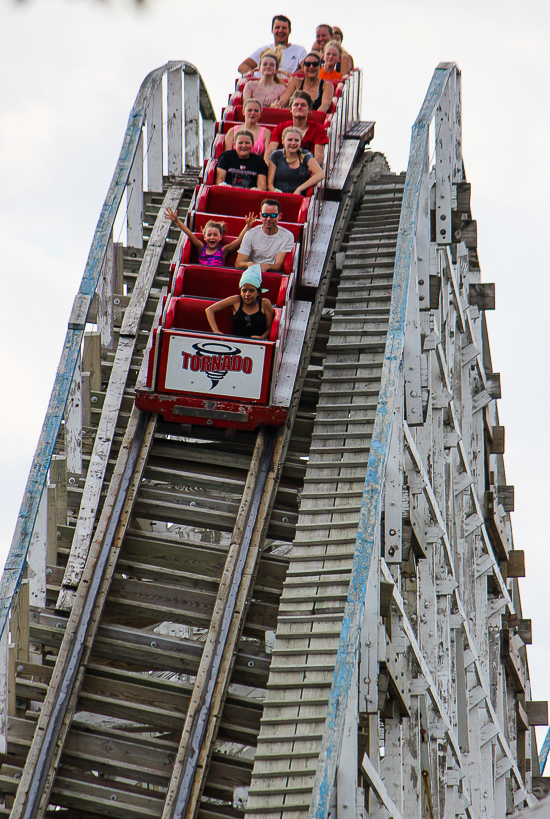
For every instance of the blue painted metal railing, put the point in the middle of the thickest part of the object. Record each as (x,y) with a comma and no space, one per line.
(14,568)
(374,483)
(543,756)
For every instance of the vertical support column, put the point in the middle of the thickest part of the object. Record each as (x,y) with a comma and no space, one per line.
(154,141)
(91,359)
(411,354)
(191,107)
(175,141)
(105,297)
(73,423)
(134,193)
(368,674)
(208,132)
(393,514)
(422,239)
(443,169)
(4,677)
(36,559)
(346,775)
(457,171)
(391,767)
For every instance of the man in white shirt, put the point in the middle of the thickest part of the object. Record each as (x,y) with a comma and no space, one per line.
(292,55)
(267,244)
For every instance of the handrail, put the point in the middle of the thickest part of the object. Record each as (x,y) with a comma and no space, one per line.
(13,571)
(369,516)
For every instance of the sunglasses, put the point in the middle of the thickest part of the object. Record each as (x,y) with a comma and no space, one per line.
(312,64)
(269,215)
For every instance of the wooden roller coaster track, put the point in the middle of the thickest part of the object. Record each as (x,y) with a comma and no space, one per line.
(321,619)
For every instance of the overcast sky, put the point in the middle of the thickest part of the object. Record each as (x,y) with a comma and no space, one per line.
(69,73)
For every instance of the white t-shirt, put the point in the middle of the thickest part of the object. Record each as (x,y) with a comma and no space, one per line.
(262,247)
(291,59)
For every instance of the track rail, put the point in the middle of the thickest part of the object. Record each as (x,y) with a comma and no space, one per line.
(150,623)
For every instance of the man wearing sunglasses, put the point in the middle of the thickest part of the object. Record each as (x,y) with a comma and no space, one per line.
(267,244)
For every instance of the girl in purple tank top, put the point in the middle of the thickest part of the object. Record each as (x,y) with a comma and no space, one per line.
(212,252)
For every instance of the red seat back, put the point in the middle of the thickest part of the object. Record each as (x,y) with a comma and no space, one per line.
(188,314)
(185,313)
(270,116)
(221,282)
(190,256)
(222,199)
(234,224)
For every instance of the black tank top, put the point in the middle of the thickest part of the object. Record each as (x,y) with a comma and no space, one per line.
(246,325)
(317,102)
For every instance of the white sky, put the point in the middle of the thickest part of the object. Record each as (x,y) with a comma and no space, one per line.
(69,74)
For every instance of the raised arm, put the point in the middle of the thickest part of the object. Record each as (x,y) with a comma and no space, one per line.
(210,311)
(173,216)
(236,243)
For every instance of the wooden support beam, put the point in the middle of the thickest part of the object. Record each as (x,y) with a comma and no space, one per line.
(482,295)
(73,423)
(496,528)
(191,108)
(91,359)
(443,169)
(497,440)
(512,660)
(525,631)
(155,127)
(505,495)
(174,122)
(516,563)
(134,195)
(537,712)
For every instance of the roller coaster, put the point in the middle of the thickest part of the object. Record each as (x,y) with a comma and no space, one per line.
(301,601)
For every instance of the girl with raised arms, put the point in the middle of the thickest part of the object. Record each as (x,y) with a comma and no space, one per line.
(211,252)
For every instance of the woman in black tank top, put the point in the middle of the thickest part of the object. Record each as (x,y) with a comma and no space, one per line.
(249,325)
(252,314)
(320,91)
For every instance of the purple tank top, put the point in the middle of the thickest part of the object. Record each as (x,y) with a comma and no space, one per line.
(212,259)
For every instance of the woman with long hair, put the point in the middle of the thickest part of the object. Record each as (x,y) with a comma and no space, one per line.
(252,110)
(320,91)
(269,88)
(290,169)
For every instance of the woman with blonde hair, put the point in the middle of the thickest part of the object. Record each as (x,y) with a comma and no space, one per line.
(252,110)
(290,169)
(337,62)
(269,88)
(320,91)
